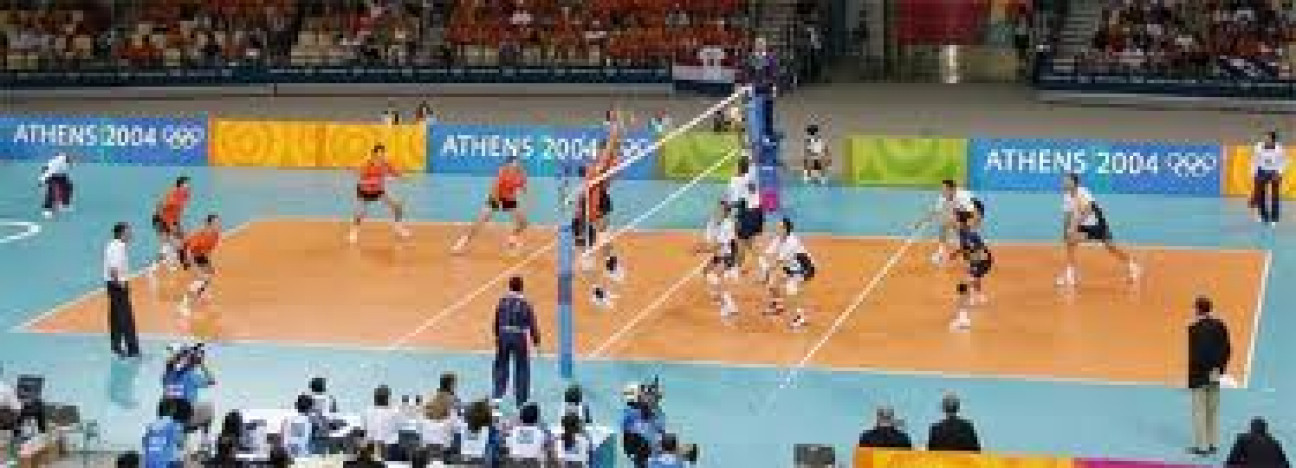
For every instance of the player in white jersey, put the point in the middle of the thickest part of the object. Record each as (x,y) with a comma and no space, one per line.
(58,185)
(721,243)
(816,157)
(1083,220)
(528,442)
(787,268)
(745,203)
(573,447)
(952,201)
(297,429)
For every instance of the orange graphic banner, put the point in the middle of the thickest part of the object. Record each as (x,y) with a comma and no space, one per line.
(265,144)
(869,458)
(1239,175)
(349,145)
(315,144)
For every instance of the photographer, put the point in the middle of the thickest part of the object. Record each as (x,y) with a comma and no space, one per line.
(670,456)
(642,422)
(186,372)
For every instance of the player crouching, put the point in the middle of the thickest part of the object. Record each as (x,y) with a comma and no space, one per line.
(787,268)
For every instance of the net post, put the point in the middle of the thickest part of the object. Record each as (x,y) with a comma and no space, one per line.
(566,316)
(763,140)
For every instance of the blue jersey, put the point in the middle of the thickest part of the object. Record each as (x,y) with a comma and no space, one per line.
(651,429)
(666,460)
(973,247)
(184,384)
(162,441)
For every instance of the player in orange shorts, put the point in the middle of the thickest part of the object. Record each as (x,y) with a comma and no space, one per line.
(372,187)
(505,196)
(196,255)
(167,219)
(594,211)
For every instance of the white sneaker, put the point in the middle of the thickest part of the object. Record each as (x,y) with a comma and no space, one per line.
(185,308)
(459,245)
(617,274)
(727,308)
(353,236)
(1135,271)
(601,299)
(961,324)
(586,262)
(48,214)
(799,322)
(938,258)
(1067,278)
(401,231)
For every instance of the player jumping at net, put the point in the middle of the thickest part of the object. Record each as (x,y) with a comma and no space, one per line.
(505,197)
(952,201)
(745,204)
(167,223)
(586,218)
(721,243)
(1083,220)
(973,249)
(196,256)
(372,187)
(58,185)
(787,268)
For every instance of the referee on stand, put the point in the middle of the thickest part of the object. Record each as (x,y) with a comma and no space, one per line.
(121,317)
(514,324)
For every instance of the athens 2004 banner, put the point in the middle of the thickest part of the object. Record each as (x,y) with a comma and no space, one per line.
(1105,166)
(545,151)
(120,140)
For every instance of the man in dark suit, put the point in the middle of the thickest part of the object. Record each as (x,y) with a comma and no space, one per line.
(953,433)
(1257,449)
(1208,356)
(886,432)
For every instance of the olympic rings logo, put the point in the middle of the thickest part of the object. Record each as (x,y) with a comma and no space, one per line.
(183,138)
(1191,164)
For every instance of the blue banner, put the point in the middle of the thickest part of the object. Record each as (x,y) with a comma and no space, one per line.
(544,151)
(117,140)
(1104,166)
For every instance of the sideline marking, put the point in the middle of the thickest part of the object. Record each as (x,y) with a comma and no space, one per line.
(28,229)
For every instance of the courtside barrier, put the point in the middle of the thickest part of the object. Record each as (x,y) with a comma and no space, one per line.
(1020,164)
(118,140)
(314,144)
(1239,174)
(543,150)
(686,156)
(904,161)
(872,458)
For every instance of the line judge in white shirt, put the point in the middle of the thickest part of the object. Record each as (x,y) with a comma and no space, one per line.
(121,316)
(58,185)
(1269,160)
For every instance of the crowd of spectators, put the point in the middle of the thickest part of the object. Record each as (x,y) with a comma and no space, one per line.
(1238,38)
(64,34)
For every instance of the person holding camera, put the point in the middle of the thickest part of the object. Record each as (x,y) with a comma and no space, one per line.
(164,438)
(186,372)
(642,424)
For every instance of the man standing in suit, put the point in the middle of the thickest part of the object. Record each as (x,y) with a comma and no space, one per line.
(1208,355)
(953,433)
(886,433)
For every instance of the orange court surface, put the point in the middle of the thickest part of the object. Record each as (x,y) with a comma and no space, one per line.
(297,281)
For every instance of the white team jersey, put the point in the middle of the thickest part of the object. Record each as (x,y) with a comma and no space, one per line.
(296,433)
(1072,204)
(381,424)
(721,233)
(963,200)
(527,443)
(473,444)
(738,188)
(816,147)
(579,451)
(438,431)
(785,251)
(58,165)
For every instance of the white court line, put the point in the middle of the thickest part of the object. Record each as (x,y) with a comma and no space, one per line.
(28,229)
(850,309)
(816,234)
(26,325)
(472,296)
(1255,320)
(643,313)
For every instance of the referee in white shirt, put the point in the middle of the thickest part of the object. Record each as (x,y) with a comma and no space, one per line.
(121,318)
(1270,161)
(58,185)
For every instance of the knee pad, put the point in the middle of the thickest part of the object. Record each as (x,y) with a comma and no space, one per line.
(793,286)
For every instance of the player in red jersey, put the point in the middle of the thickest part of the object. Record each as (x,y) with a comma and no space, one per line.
(372,187)
(505,197)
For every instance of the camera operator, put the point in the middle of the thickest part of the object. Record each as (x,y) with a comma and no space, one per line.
(669,456)
(642,423)
(186,372)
